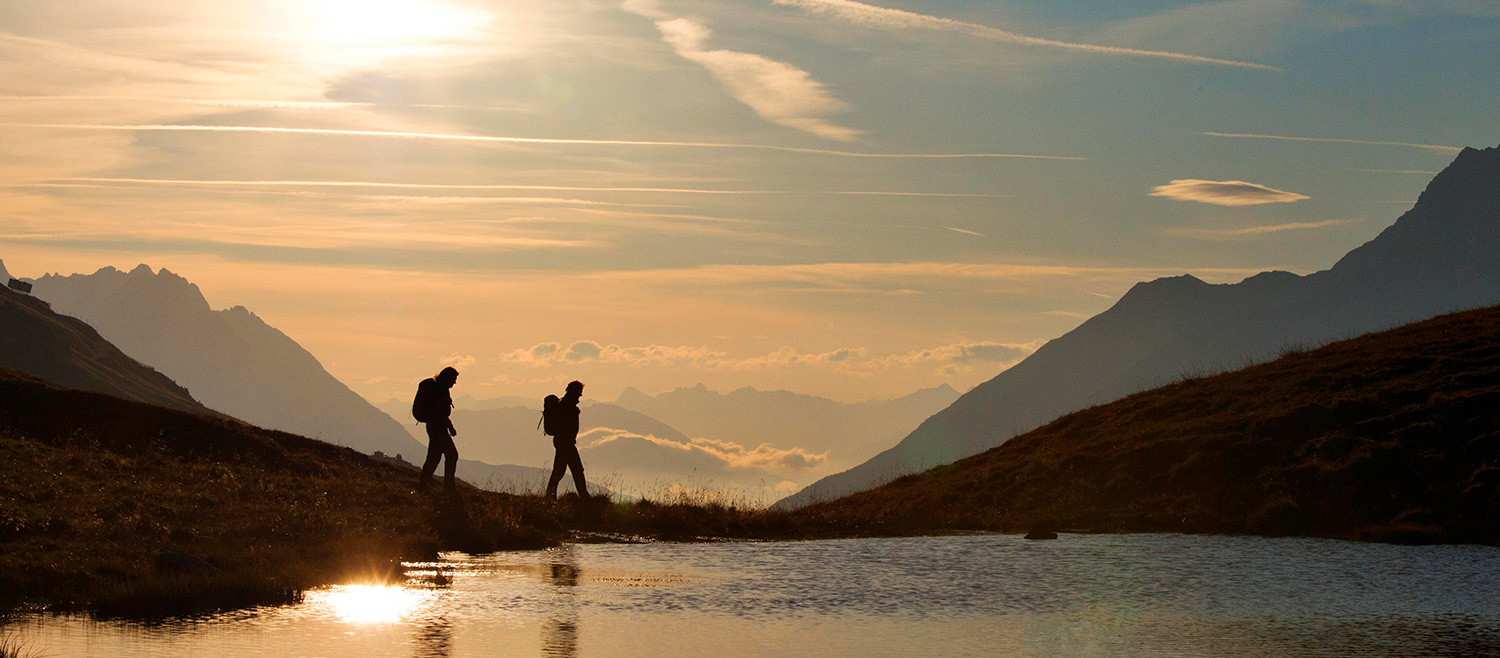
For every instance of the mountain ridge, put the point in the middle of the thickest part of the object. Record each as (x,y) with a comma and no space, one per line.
(163,319)
(68,352)
(1439,256)
(1390,436)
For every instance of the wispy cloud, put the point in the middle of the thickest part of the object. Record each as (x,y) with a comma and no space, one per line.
(252,104)
(555,141)
(1224,193)
(1427,172)
(1336,140)
(779,92)
(895,19)
(950,359)
(1226,233)
(483,187)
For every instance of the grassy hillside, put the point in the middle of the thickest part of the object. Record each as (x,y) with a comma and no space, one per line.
(96,488)
(65,350)
(1389,436)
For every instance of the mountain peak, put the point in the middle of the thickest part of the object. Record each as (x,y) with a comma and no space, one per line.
(1452,224)
(1163,290)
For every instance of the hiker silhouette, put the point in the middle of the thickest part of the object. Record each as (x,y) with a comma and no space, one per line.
(433,405)
(562,424)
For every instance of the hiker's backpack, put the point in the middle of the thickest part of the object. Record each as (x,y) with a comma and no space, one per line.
(426,399)
(551,419)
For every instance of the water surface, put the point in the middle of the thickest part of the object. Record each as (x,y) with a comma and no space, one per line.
(988,595)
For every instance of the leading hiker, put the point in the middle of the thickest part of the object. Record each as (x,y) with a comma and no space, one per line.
(434,406)
(561,418)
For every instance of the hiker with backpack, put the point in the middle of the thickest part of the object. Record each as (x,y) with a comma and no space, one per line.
(433,405)
(560,418)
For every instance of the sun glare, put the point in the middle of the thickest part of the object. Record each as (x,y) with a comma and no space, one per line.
(369,604)
(375,28)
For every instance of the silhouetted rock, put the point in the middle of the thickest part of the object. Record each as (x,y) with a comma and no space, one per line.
(1442,255)
(1041,534)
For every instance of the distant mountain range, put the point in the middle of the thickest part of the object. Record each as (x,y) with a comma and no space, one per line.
(68,352)
(849,433)
(1391,436)
(632,448)
(232,360)
(1442,255)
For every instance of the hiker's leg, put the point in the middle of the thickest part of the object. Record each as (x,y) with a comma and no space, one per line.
(558,464)
(450,464)
(576,463)
(435,435)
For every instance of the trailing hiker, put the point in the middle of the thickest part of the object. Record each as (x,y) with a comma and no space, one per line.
(433,405)
(560,421)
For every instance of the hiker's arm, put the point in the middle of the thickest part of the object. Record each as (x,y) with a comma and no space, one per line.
(452,431)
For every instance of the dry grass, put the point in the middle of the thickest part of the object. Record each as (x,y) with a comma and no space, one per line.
(96,488)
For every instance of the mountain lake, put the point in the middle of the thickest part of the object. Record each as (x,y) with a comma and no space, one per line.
(970,595)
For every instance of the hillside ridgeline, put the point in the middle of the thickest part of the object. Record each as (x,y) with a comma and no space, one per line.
(1391,436)
(67,351)
(96,489)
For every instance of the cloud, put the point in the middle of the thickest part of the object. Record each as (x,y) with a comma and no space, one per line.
(628,449)
(957,357)
(885,18)
(178,182)
(964,356)
(1336,140)
(779,92)
(1224,193)
(502,139)
(1257,230)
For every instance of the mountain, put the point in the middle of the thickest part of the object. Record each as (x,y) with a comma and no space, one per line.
(849,433)
(1440,256)
(162,319)
(1391,436)
(69,353)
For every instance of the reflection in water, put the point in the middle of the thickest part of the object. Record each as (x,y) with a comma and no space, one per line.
(369,604)
(434,638)
(560,631)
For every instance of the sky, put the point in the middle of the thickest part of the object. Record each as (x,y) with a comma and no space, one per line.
(838,198)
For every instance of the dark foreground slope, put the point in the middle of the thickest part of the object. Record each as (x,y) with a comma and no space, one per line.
(1441,256)
(66,351)
(1390,436)
(94,489)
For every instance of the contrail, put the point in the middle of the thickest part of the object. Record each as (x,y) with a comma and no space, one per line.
(477,187)
(519,140)
(966,231)
(1430,147)
(895,19)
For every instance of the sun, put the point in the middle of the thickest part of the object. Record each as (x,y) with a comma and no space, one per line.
(382,28)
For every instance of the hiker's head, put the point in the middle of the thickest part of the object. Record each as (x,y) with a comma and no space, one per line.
(575,388)
(447,376)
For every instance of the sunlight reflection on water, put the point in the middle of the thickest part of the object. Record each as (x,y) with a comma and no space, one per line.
(1101,595)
